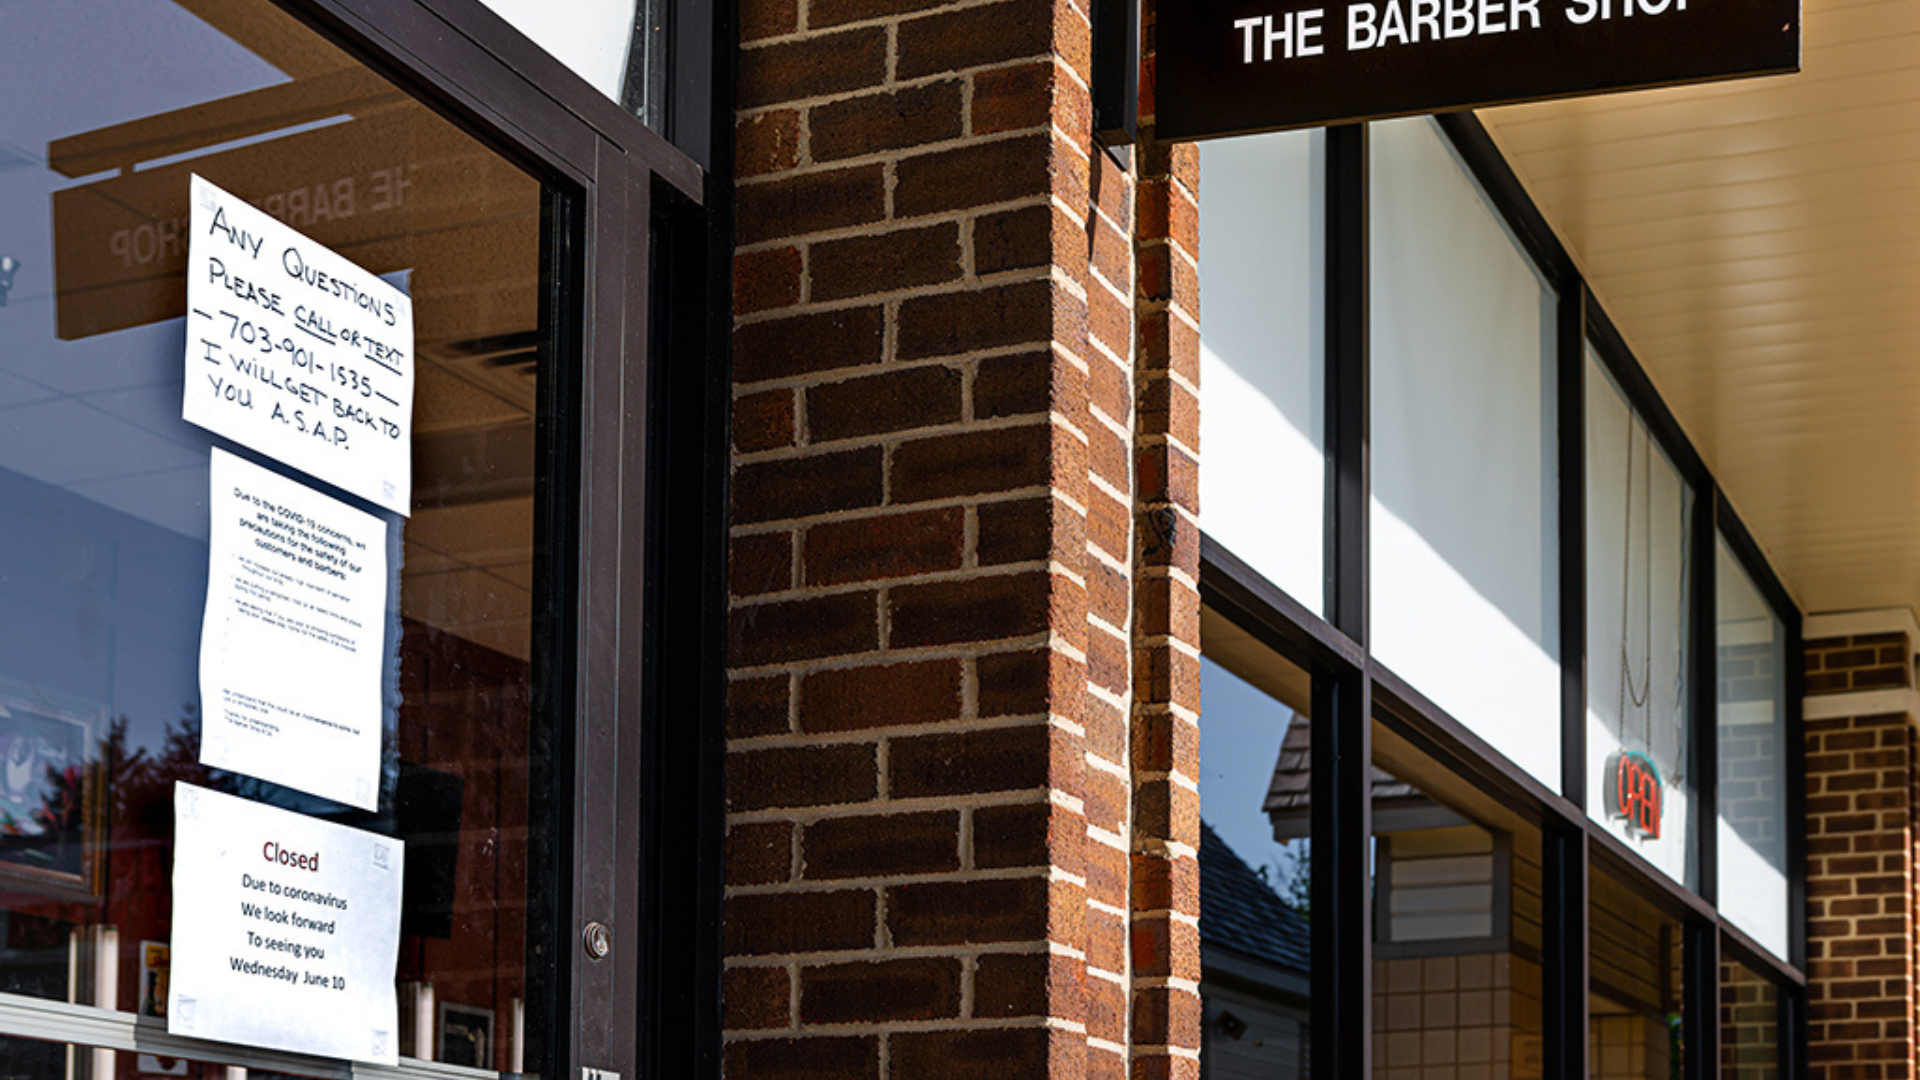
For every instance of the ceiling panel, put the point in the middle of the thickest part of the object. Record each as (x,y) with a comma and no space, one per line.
(1758,244)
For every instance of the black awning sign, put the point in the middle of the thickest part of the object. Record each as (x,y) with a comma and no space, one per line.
(1227,67)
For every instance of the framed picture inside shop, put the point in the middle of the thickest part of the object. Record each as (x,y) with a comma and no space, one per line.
(466,1035)
(51,798)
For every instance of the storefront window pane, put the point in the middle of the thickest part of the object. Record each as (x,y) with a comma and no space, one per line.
(1465,564)
(1752,730)
(1633,1027)
(1749,1024)
(1262,303)
(1456,924)
(618,46)
(1639,741)
(1255,859)
(104,563)
(21,1057)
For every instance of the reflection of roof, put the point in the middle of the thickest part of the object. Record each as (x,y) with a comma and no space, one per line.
(1397,805)
(1239,911)
(1287,792)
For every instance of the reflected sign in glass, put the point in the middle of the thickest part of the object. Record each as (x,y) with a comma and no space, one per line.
(1230,67)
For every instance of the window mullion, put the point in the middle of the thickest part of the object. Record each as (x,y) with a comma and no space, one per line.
(1700,999)
(1348,477)
(1570,394)
(1564,908)
(1341,757)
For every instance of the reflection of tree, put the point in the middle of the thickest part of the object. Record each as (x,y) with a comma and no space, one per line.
(1290,875)
(50,833)
(140,780)
(59,809)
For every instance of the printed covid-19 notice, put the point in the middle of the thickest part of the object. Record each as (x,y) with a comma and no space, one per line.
(296,352)
(293,643)
(286,929)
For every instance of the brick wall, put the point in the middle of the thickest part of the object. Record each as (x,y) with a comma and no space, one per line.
(1858,662)
(963,618)
(1166,733)
(1861,801)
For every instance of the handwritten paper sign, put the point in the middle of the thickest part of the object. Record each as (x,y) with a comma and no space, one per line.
(296,352)
(286,929)
(292,643)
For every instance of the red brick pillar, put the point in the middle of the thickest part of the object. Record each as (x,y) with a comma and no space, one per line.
(1861,801)
(1166,733)
(933,609)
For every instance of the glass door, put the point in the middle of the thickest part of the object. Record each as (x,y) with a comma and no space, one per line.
(122,597)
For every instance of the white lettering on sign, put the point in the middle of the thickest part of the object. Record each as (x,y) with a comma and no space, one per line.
(1371,25)
(1586,11)
(296,352)
(1379,24)
(312,936)
(292,644)
(1295,34)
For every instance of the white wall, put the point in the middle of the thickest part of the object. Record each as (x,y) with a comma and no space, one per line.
(1262,298)
(590,36)
(1464,520)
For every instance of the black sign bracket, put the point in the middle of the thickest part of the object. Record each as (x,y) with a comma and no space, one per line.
(1116,72)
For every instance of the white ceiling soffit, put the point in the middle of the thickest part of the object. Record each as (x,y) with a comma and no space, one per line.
(1758,244)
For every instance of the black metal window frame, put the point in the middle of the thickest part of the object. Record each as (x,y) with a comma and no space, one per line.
(628,825)
(1352,688)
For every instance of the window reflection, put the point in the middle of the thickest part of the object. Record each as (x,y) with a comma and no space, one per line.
(1749,1024)
(1639,585)
(1456,924)
(1255,859)
(1634,1025)
(103,561)
(1752,731)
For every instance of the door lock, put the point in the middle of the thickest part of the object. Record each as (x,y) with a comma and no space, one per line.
(597,940)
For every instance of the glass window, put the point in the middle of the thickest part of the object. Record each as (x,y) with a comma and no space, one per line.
(104,563)
(1751,727)
(139,1053)
(1749,1024)
(24,1057)
(1640,781)
(1456,923)
(618,46)
(1634,1002)
(1465,588)
(1255,859)
(1262,349)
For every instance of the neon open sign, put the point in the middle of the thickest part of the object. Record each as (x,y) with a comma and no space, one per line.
(1634,792)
